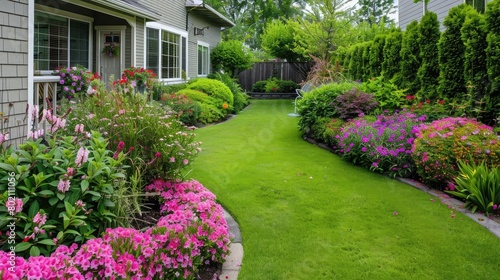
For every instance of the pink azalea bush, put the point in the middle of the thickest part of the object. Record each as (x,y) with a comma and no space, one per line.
(192,232)
(441,144)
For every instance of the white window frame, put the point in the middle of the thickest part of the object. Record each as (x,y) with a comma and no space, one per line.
(205,45)
(181,33)
(70,16)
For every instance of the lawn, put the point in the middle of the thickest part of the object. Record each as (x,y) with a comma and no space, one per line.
(305,213)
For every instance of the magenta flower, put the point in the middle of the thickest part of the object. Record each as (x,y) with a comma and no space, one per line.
(40,219)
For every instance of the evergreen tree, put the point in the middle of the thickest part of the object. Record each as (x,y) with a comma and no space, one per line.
(366,60)
(474,37)
(392,58)
(410,60)
(452,53)
(428,39)
(377,55)
(376,11)
(493,51)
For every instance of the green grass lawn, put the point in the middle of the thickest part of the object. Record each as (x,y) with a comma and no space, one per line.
(304,213)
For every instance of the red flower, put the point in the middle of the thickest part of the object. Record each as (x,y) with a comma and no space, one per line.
(410,97)
(441,101)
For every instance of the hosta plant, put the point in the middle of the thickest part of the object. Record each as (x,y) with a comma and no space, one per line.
(479,186)
(441,144)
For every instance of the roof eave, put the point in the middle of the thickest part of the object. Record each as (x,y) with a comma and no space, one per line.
(223,22)
(129,8)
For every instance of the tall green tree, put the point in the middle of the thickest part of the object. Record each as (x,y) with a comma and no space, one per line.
(410,60)
(452,53)
(377,55)
(375,11)
(391,52)
(232,57)
(493,51)
(474,37)
(428,39)
(366,60)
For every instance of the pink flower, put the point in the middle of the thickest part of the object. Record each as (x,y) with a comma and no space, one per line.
(495,207)
(63,186)
(40,219)
(425,157)
(172,159)
(19,205)
(79,204)
(185,161)
(120,146)
(82,156)
(395,213)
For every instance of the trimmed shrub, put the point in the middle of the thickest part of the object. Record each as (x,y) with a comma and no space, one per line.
(216,89)
(354,103)
(241,99)
(410,60)
(428,73)
(287,86)
(197,95)
(366,61)
(210,113)
(259,86)
(318,103)
(441,144)
(492,17)
(452,53)
(391,52)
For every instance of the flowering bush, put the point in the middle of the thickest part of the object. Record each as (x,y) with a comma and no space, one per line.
(383,145)
(332,129)
(159,145)
(441,144)
(354,103)
(192,232)
(73,80)
(187,110)
(63,188)
(140,77)
(434,110)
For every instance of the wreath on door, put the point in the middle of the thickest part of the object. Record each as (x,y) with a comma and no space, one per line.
(111,50)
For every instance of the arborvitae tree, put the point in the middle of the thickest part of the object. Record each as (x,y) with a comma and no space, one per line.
(346,61)
(377,55)
(452,53)
(474,37)
(428,39)
(410,60)
(358,57)
(353,62)
(493,51)
(392,58)
(366,60)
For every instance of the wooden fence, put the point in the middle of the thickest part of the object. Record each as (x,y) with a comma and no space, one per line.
(265,70)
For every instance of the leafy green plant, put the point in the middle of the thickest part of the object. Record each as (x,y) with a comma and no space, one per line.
(210,114)
(388,96)
(160,145)
(272,86)
(259,86)
(231,56)
(318,103)
(241,99)
(479,186)
(64,186)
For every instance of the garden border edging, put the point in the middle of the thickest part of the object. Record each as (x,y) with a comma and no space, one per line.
(231,267)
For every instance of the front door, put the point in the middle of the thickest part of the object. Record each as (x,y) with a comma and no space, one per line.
(110,56)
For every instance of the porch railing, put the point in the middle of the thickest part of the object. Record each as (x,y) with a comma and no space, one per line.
(45,91)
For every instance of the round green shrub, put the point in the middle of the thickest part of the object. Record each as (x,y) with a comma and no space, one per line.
(439,146)
(241,100)
(318,103)
(210,113)
(287,86)
(214,88)
(259,86)
(197,95)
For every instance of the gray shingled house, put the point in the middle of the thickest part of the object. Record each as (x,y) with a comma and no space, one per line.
(37,36)
(409,11)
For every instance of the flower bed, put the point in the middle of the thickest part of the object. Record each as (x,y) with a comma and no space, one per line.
(191,232)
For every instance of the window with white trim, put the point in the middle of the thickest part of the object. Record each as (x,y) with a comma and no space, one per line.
(60,41)
(203,59)
(165,53)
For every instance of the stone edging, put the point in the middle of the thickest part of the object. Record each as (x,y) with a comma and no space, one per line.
(232,265)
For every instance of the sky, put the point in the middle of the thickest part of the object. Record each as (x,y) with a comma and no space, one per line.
(393,16)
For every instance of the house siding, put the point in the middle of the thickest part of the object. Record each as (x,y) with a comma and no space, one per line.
(211,37)
(173,13)
(14,68)
(139,42)
(409,11)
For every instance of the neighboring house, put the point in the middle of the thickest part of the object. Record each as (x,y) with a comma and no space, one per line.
(170,37)
(409,11)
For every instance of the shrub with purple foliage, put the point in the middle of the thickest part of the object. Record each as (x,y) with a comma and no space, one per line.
(355,103)
(383,145)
